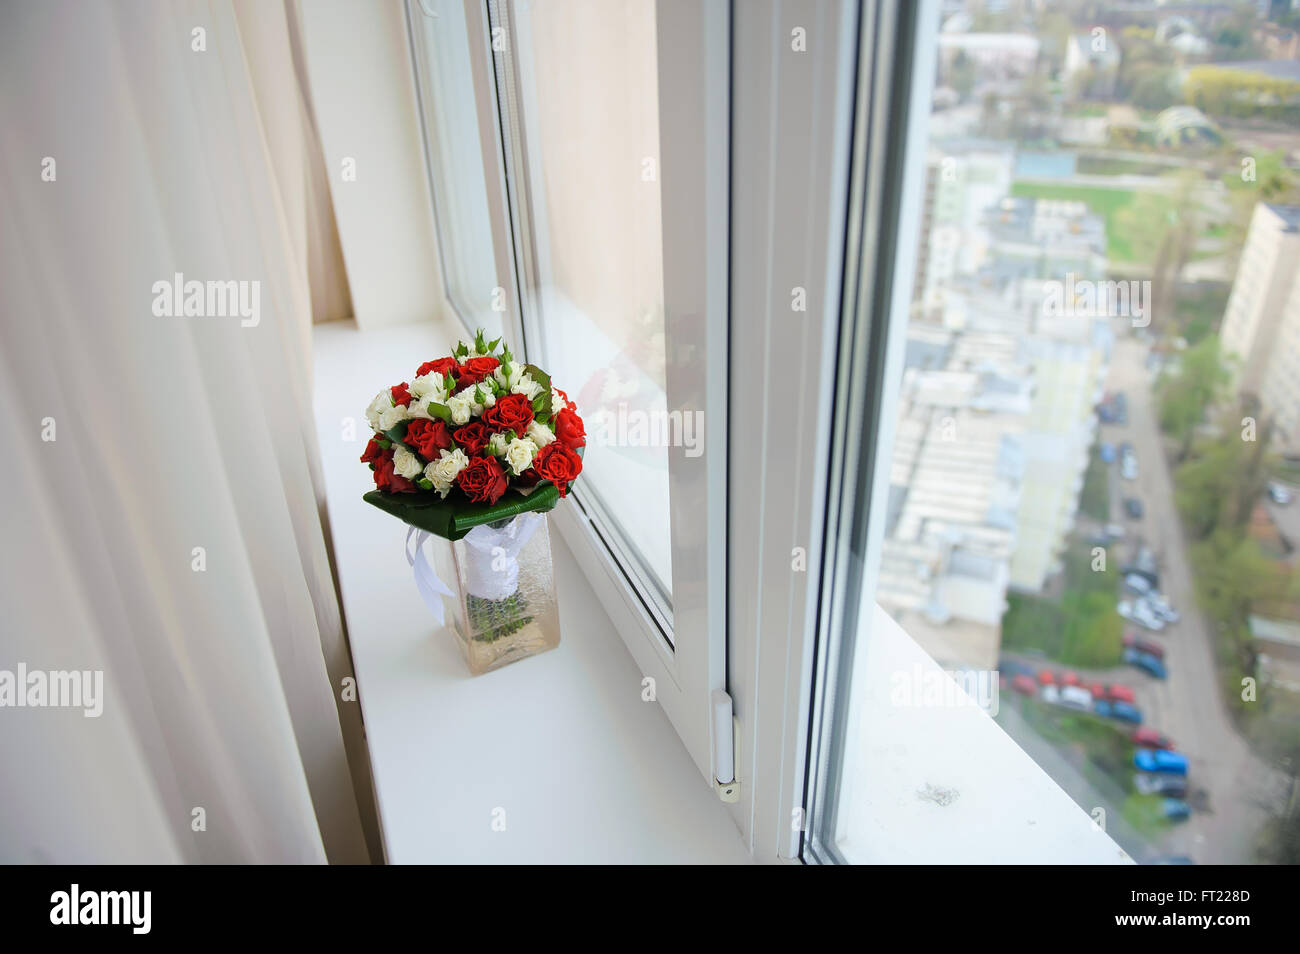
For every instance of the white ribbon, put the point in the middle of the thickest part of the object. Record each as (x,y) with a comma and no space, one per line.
(426,581)
(491,563)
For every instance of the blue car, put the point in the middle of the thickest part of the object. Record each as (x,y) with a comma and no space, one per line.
(1176,809)
(1146,662)
(1160,760)
(1126,712)
(1107,453)
(1102,707)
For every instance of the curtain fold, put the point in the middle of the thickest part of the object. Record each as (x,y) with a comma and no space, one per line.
(163,478)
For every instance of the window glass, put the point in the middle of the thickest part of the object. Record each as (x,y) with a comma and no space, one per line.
(441,43)
(1089,518)
(589,121)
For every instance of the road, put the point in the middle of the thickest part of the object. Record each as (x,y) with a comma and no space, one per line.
(1188,705)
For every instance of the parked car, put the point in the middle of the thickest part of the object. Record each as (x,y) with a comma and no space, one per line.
(1050,695)
(1137,611)
(1098,690)
(1107,453)
(1137,583)
(1160,760)
(1176,809)
(1133,507)
(1146,662)
(1279,493)
(1133,641)
(1126,712)
(1076,697)
(1046,677)
(1151,576)
(1114,531)
(1024,684)
(1122,693)
(1128,468)
(1154,783)
(1070,678)
(1160,606)
(1012,668)
(1151,739)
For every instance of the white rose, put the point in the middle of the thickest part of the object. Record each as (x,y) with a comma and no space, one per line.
(383,402)
(392,417)
(527,387)
(443,471)
(508,381)
(406,463)
(430,385)
(461,408)
(558,403)
(484,397)
(496,445)
(540,434)
(519,455)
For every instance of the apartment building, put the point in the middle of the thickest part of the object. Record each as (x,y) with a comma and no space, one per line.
(1261,326)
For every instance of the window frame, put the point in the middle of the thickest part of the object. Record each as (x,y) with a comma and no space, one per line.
(690,665)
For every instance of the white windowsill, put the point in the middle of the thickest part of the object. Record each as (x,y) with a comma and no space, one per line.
(584,770)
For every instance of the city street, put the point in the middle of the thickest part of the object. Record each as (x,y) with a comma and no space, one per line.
(1187,706)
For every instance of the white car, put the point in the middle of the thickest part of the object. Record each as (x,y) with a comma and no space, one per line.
(1076,697)
(1160,606)
(1279,494)
(1128,468)
(1050,694)
(1140,612)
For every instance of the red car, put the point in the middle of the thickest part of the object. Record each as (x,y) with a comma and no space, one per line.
(1070,678)
(1098,690)
(1122,693)
(1148,738)
(1024,685)
(1046,678)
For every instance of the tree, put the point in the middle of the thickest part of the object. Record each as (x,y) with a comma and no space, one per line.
(1187,394)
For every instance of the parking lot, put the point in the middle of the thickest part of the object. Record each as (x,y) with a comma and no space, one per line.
(1228,785)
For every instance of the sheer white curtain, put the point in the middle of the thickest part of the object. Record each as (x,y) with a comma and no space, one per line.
(170,534)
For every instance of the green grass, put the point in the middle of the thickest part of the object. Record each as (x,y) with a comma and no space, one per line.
(1110,204)
(1082,629)
(1145,813)
(1094,499)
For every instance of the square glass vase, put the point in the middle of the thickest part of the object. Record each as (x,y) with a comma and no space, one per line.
(506,609)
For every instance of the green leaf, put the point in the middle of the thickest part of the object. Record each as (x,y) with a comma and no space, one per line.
(492,345)
(424,483)
(383,444)
(448,382)
(544,379)
(440,411)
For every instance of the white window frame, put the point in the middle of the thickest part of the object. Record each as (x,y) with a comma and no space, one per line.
(683,650)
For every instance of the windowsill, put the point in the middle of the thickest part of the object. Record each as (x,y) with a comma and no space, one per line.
(584,770)
(944,784)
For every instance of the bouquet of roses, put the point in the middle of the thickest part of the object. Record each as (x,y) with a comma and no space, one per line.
(475,437)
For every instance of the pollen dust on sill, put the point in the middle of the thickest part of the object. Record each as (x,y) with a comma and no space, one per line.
(942,797)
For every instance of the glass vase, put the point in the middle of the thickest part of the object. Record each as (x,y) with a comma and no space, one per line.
(506,609)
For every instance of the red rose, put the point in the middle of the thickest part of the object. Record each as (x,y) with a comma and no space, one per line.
(473,437)
(401,394)
(558,463)
(482,480)
(567,399)
(373,451)
(444,366)
(474,370)
(569,429)
(428,437)
(528,478)
(510,413)
(387,479)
